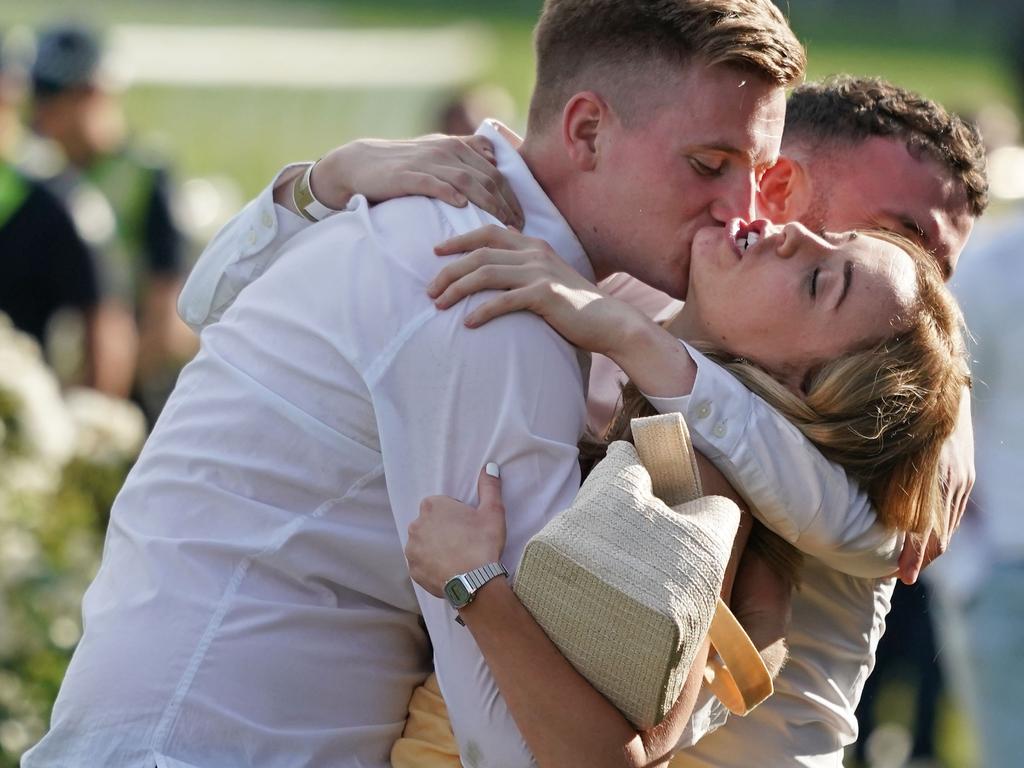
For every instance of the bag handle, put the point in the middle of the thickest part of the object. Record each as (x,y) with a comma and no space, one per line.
(664,447)
(740,679)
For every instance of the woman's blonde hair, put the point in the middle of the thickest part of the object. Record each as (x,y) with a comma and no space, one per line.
(883,412)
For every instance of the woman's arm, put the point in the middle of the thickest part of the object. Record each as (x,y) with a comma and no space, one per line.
(564,720)
(791,487)
(534,278)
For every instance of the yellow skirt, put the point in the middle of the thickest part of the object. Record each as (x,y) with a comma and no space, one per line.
(428,741)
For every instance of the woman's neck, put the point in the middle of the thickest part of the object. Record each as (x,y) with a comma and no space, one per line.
(686,326)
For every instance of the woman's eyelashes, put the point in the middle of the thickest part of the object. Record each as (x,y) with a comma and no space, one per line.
(814,282)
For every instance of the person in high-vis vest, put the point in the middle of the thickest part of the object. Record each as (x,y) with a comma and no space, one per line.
(46,269)
(121,195)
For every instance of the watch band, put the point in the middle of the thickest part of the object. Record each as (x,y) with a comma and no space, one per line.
(480,576)
(475,579)
(306,202)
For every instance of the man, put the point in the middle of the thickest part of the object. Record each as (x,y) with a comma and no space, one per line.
(122,197)
(254,605)
(856,153)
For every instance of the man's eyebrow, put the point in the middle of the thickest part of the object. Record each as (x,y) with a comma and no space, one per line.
(847,279)
(748,156)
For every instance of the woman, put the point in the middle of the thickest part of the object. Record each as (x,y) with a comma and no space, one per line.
(854,338)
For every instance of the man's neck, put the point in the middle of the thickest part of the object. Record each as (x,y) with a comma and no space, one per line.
(548,167)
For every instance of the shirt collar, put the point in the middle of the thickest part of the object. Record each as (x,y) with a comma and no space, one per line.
(542,217)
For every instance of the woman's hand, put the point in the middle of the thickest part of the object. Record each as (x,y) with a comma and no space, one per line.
(450,537)
(533,278)
(450,168)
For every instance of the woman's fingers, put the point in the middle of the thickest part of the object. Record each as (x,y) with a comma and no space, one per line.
(487,272)
(490,236)
(489,489)
(505,303)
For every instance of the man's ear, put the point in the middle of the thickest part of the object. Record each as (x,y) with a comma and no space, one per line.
(784,191)
(584,116)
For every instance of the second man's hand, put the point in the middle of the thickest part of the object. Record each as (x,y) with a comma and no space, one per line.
(456,170)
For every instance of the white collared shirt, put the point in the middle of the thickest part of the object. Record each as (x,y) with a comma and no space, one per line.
(254,606)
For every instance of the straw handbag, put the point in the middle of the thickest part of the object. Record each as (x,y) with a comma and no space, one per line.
(626,582)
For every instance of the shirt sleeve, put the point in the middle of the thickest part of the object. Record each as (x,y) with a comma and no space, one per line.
(793,489)
(452,400)
(239,253)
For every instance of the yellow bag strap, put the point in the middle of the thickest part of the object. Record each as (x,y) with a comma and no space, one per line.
(739,677)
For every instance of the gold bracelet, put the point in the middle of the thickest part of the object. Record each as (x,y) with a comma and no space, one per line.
(305,201)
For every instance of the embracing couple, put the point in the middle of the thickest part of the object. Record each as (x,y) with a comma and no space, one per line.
(269,592)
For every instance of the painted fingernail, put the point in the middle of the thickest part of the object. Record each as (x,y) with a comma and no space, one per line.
(492,469)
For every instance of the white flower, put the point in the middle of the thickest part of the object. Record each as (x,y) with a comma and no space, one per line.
(108,429)
(45,426)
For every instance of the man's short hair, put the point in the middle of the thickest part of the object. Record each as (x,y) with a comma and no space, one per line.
(604,45)
(844,111)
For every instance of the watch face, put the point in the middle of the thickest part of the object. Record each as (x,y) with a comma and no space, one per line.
(456,592)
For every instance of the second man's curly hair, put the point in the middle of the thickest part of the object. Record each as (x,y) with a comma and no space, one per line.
(848,110)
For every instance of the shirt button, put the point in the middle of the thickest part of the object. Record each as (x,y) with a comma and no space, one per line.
(251,237)
(704,410)
(267,220)
(719,430)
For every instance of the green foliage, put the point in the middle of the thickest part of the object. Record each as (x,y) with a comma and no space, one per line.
(62,461)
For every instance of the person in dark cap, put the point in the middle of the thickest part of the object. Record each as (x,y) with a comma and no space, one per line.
(45,267)
(76,105)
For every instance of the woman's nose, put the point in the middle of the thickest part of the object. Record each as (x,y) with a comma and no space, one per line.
(792,236)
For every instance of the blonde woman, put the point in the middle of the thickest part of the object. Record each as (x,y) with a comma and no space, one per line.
(852,337)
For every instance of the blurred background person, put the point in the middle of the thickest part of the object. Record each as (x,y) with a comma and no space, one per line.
(980,589)
(46,269)
(121,198)
(463,111)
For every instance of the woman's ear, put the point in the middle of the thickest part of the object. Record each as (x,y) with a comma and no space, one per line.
(584,116)
(784,191)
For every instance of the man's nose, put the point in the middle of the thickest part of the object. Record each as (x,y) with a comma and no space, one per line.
(737,199)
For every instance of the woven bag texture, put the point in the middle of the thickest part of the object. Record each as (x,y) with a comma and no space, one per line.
(625,585)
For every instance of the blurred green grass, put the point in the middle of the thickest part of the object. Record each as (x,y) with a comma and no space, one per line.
(246,133)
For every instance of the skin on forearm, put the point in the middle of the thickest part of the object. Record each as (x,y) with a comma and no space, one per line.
(564,720)
(112,345)
(653,358)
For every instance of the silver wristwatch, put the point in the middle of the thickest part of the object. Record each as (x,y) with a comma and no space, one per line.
(462,588)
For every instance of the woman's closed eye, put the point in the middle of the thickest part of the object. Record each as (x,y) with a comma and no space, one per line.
(814,282)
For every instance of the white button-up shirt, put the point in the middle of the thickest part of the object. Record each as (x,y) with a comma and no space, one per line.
(254,606)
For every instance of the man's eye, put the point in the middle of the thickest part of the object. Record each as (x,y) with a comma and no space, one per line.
(704,169)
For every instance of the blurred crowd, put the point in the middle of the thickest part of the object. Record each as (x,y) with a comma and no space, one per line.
(92,257)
